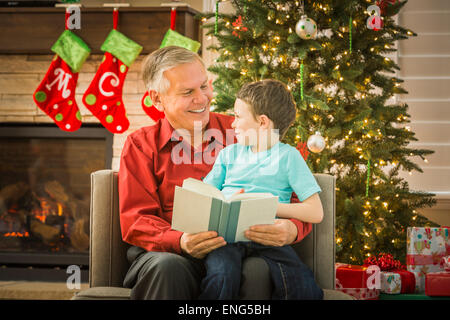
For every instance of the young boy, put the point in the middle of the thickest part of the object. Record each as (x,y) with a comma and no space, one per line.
(259,162)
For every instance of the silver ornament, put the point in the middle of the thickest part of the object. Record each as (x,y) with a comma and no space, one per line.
(316,143)
(306,28)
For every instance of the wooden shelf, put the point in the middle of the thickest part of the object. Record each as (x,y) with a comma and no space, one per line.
(35,30)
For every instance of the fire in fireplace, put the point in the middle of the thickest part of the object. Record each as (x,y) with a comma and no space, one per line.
(43,217)
(45,192)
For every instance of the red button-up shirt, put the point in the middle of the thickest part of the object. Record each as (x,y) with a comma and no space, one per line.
(151,167)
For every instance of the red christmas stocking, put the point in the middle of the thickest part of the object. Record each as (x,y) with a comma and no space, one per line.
(104,95)
(150,109)
(55,94)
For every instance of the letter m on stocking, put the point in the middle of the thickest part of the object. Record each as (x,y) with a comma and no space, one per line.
(62,78)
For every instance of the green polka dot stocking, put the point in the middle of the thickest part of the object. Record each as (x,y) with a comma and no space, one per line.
(104,95)
(55,95)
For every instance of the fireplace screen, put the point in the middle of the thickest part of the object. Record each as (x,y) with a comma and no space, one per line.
(45,191)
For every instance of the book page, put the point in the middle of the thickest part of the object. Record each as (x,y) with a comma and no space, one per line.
(259,211)
(249,195)
(202,188)
(191,211)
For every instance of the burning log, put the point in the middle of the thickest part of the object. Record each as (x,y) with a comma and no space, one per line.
(47,233)
(44,215)
(56,191)
(79,238)
(11,194)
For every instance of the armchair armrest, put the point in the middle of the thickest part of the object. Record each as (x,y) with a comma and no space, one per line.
(107,255)
(317,249)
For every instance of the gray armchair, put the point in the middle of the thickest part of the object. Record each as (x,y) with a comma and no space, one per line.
(108,263)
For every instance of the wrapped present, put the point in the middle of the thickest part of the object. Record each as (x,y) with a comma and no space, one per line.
(445,262)
(437,284)
(355,281)
(394,278)
(425,249)
(398,281)
(391,283)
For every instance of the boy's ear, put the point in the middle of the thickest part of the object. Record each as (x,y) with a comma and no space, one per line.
(156,100)
(265,122)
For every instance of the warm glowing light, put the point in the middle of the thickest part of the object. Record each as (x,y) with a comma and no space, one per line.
(17,234)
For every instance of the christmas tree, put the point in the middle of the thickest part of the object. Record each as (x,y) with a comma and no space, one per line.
(333,56)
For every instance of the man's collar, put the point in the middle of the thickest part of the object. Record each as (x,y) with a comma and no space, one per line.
(167,132)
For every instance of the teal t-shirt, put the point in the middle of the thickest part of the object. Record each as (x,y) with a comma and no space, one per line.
(280,171)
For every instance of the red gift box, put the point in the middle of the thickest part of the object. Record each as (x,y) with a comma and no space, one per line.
(437,284)
(354,281)
(408,280)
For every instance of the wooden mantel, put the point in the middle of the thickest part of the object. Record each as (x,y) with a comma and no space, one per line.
(35,30)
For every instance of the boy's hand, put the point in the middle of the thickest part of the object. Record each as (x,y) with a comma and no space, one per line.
(281,233)
(198,245)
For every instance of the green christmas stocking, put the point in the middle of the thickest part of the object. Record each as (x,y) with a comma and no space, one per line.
(173,38)
(104,95)
(55,94)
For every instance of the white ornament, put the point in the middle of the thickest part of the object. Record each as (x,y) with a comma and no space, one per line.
(306,28)
(316,143)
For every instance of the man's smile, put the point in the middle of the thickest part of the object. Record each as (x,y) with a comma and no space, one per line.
(198,110)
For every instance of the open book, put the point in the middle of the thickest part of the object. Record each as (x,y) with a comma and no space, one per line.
(200,207)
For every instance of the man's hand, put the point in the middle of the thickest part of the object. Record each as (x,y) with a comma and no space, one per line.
(200,244)
(281,233)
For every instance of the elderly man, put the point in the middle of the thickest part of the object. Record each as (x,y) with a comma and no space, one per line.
(165,263)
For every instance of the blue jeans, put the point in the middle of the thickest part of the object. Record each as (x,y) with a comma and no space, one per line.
(291,278)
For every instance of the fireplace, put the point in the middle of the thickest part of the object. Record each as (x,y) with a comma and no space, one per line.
(45,198)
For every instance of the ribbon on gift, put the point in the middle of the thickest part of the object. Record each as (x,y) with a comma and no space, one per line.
(422,259)
(384,261)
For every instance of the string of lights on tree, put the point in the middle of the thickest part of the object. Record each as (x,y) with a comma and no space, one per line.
(343,81)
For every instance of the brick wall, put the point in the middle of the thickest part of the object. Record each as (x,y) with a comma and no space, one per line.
(20,75)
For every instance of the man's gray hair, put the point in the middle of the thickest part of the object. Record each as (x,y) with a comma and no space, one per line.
(162,60)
